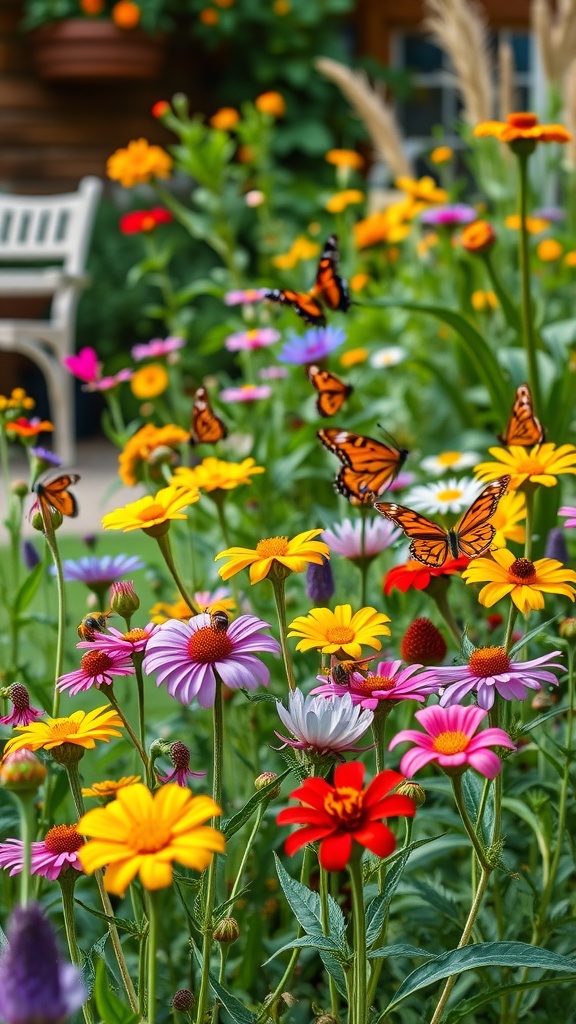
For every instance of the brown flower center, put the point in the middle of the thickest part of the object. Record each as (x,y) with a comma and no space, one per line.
(272,546)
(63,839)
(451,743)
(489,661)
(339,635)
(372,683)
(345,804)
(522,120)
(94,663)
(522,571)
(208,645)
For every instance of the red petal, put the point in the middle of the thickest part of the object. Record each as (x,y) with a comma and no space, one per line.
(312,792)
(381,785)
(303,836)
(391,807)
(303,816)
(351,775)
(376,838)
(335,851)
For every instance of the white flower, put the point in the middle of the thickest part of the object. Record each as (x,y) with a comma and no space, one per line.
(323,725)
(449,496)
(345,538)
(449,462)
(389,356)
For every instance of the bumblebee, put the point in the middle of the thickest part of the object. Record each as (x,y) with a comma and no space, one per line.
(342,670)
(92,624)
(219,621)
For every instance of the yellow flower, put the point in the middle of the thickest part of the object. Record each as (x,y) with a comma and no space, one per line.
(425,189)
(348,197)
(225,119)
(281,8)
(478,236)
(534,225)
(523,580)
(138,163)
(549,250)
(483,300)
(358,282)
(441,155)
(428,241)
(81,728)
(539,465)
(353,357)
(271,103)
(511,510)
(340,630)
(570,258)
(522,127)
(301,249)
(143,444)
(294,555)
(379,227)
(110,787)
(347,158)
(162,611)
(141,833)
(149,381)
(149,513)
(216,474)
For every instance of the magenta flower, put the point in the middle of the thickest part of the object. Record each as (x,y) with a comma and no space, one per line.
(246,393)
(97,668)
(389,682)
(451,215)
(570,511)
(156,348)
(490,670)
(449,739)
(57,851)
(186,655)
(244,297)
(22,713)
(259,337)
(180,757)
(117,644)
(345,538)
(108,383)
(85,365)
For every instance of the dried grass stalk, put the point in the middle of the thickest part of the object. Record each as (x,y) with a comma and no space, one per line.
(460,28)
(570,112)
(556,35)
(373,110)
(506,91)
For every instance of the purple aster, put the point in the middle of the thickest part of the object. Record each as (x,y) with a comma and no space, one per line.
(489,670)
(45,455)
(186,655)
(389,682)
(345,538)
(321,726)
(116,643)
(451,215)
(180,757)
(34,984)
(97,668)
(555,214)
(49,857)
(22,713)
(315,344)
(99,572)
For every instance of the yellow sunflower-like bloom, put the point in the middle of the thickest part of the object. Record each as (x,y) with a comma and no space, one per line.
(523,580)
(348,197)
(150,512)
(294,555)
(143,833)
(340,630)
(140,448)
(301,249)
(541,464)
(522,127)
(217,475)
(149,381)
(81,728)
(110,787)
(347,158)
(379,227)
(138,163)
(425,189)
(511,511)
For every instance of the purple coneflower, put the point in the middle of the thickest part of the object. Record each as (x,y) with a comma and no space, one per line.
(490,670)
(315,344)
(117,644)
(180,757)
(22,713)
(97,668)
(186,655)
(157,347)
(259,337)
(389,682)
(49,857)
(244,297)
(323,726)
(246,393)
(570,511)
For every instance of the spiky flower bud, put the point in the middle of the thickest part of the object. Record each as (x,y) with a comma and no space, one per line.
(183,1000)
(423,644)
(226,930)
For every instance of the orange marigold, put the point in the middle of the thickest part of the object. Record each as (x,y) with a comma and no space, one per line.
(522,127)
(126,14)
(143,444)
(270,103)
(478,236)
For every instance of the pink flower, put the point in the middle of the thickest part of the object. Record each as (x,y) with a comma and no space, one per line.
(180,757)
(97,668)
(118,644)
(107,383)
(389,682)
(259,337)
(570,511)
(85,365)
(246,393)
(244,297)
(156,348)
(400,482)
(345,538)
(186,656)
(489,670)
(22,713)
(449,739)
(57,851)
(272,373)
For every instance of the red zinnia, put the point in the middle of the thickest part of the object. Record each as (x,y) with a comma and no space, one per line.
(339,814)
(415,575)
(144,220)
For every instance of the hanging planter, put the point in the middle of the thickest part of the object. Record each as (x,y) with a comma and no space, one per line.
(83,50)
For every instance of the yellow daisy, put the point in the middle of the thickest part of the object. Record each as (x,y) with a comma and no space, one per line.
(142,833)
(149,381)
(110,787)
(510,512)
(424,190)
(81,728)
(538,465)
(523,580)
(138,163)
(348,197)
(340,630)
(217,475)
(151,514)
(294,555)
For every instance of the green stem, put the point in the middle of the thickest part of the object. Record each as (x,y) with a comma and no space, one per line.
(278,586)
(26,808)
(529,336)
(166,551)
(506,304)
(326,930)
(441,599)
(137,659)
(360,1011)
(459,799)
(52,544)
(152,955)
(512,616)
(247,850)
(377,965)
(141,752)
(364,562)
(116,413)
(67,881)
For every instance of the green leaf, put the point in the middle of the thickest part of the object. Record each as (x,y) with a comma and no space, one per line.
(469,1006)
(539,630)
(483,954)
(240,1014)
(524,812)
(378,907)
(110,1008)
(318,942)
(398,949)
(231,825)
(529,726)
(28,588)
(123,924)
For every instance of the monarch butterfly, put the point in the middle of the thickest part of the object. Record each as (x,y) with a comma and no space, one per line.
(369,466)
(207,427)
(332,392)
(431,544)
(51,490)
(329,290)
(523,428)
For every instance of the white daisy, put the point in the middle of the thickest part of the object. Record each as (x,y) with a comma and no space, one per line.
(449,462)
(323,725)
(345,538)
(449,496)
(389,356)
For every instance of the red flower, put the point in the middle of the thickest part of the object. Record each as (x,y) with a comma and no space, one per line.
(160,108)
(416,575)
(144,220)
(339,814)
(28,428)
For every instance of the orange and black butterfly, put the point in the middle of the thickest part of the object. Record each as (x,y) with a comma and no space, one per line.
(207,427)
(329,290)
(523,428)
(432,544)
(51,490)
(332,392)
(369,466)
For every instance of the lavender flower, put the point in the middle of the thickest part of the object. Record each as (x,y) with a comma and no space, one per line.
(451,215)
(315,344)
(99,571)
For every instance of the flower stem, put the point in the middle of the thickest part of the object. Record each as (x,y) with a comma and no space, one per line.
(280,599)
(166,551)
(364,562)
(247,850)
(67,881)
(326,930)
(141,752)
(459,799)
(137,660)
(441,599)
(529,336)
(27,822)
(50,536)
(360,1007)
(152,955)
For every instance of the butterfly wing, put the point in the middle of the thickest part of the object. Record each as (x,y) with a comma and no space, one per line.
(207,428)
(428,541)
(474,531)
(332,392)
(370,465)
(523,429)
(330,287)
(304,304)
(52,492)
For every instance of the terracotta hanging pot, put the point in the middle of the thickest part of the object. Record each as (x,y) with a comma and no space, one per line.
(76,48)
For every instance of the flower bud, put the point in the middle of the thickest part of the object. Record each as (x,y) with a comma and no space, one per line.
(55,518)
(227,930)
(264,780)
(556,545)
(123,598)
(22,772)
(183,1000)
(567,629)
(20,488)
(30,556)
(319,582)
(412,789)
(541,701)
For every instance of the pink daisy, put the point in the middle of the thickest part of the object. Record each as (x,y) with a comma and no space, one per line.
(273,373)
(389,682)
(345,538)
(186,655)
(116,643)
(244,297)
(258,337)
(107,383)
(157,347)
(97,668)
(246,393)
(22,713)
(57,851)
(570,511)
(449,739)
(489,670)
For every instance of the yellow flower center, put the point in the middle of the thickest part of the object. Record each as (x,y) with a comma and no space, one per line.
(272,547)
(153,511)
(208,645)
(450,494)
(531,466)
(339,635)
(134,635)
(95,662)
(451,743)
(522,571)
(345,804)
(63,839)
(489,661)
(148,837)
(448,458)
(372,683)
(62,728)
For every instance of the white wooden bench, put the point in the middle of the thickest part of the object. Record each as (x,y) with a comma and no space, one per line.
(52,233)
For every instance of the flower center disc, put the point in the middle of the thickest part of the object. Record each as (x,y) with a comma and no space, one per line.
(95,662)
(450,494)
(149,838)
(63,839)
(522,120)
(448,458)
(345,804)
(134,635)
(522,571)
(451,742)
(339,635)
(272,546)
(208,645)
(153,511)
(63,728)
(372,683)
(489,661)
